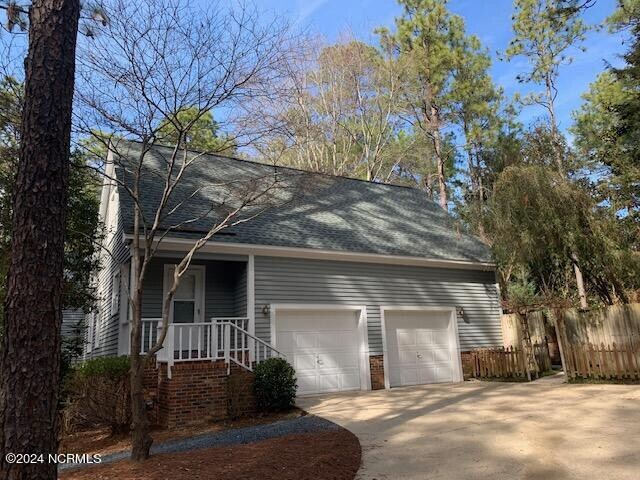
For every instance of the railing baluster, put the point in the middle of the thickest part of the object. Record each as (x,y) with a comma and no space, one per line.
(214,341)
(200,330)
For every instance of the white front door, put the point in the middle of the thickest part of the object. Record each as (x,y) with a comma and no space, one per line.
(187,305)
(324,348)
(421,347)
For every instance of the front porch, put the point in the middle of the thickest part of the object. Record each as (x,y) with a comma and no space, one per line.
(224,339)
(210,339)
(211,314)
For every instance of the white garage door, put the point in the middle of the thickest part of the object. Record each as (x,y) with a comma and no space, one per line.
(322,346)
(421,347)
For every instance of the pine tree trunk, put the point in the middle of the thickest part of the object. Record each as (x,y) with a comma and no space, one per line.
(442,183)
(437,146)
(554,126)
(30,351)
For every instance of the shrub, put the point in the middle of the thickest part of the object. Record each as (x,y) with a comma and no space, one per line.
(275,385)
(98,395)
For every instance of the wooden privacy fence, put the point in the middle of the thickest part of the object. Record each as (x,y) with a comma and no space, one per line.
(506,363)
(618,324)
(603,362)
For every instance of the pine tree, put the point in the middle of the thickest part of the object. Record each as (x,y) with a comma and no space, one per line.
(545,32)
(429,40)
(30,349)
(477,111)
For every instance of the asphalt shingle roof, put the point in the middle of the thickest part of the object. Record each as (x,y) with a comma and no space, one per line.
(303,209)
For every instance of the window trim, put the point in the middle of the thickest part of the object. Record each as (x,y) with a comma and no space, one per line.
(116,285)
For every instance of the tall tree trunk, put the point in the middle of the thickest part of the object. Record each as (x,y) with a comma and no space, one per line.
(554,126)
(582,294)
(30,351)
(437,147)
(442,181)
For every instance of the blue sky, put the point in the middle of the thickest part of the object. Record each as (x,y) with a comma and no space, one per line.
(490,20)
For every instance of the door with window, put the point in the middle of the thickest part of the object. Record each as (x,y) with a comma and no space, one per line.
(187,307)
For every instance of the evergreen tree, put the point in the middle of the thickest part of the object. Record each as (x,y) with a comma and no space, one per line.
(476,111)
(32,313)
(199,131)
(607,129)
(545,32)
(429,40)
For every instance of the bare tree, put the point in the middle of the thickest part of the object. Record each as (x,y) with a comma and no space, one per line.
(153,60)
(342,117)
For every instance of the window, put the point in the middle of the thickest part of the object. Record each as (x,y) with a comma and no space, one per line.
(115,293)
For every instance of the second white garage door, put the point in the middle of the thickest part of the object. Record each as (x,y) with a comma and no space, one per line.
(323,346)
(421,347)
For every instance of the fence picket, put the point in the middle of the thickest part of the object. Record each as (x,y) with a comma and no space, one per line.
(602,362)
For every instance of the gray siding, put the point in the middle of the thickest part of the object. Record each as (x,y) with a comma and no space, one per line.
(223,287)
(72,323)
(288,280)
(241,294)
(108,322)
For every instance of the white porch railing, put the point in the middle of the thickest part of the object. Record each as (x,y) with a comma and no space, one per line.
(224,338)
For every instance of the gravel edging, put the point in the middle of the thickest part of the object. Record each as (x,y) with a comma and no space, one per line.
(304,424)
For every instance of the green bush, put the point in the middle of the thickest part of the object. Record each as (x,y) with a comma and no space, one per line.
(110,367)
(98,394)
(275,385)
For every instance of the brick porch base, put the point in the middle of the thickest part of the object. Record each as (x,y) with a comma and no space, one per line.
(198,391)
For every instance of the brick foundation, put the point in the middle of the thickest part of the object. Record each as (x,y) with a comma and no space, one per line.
(467,365)
(197,392)
(376,365)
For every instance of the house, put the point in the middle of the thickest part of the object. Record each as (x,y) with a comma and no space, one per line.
(360,285)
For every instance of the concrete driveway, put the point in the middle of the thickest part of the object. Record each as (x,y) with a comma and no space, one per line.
(481,430)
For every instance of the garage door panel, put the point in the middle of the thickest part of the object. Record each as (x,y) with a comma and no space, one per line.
(441,355)
(406,338)
(419,347)
(406,357)
(337,360)
(336,340)
(441,337)
(423,337)
(350,381)
(444,374)
(427,374)
(286,341)
(304,362)
(305,340)
(329,382)
(425,357)
(409,376)
(323,347)
(307,383)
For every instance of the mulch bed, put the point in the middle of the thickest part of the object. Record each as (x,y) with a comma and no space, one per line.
(325,455)
(99,440)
